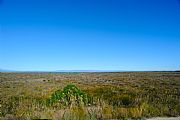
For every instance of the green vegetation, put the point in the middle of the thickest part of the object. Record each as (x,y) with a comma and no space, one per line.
(89,96)
(69,94)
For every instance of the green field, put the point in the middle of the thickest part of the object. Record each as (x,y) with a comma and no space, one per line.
(89,96)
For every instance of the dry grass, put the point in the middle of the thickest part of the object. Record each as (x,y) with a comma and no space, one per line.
(132,95)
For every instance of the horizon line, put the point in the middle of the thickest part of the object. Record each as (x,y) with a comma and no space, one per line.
(86,70)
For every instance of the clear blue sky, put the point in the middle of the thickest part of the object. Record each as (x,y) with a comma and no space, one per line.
(90,34)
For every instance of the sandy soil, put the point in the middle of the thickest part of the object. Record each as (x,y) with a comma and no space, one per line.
(160,118)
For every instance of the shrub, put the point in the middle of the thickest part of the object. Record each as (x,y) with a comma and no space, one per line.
(70,94)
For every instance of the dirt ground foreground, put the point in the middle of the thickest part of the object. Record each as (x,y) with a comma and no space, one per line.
(160,118)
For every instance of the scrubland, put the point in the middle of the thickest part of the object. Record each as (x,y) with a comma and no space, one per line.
(89,96)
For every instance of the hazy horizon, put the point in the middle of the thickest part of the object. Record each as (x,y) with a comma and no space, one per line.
(71,70)
(128,35)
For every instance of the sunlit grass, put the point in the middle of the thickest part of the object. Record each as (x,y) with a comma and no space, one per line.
(89,95)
